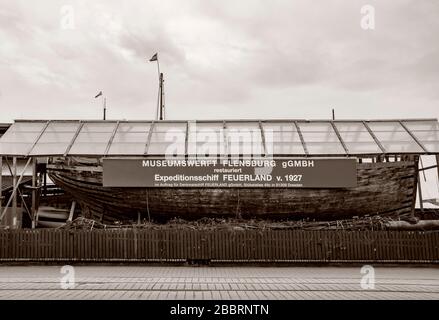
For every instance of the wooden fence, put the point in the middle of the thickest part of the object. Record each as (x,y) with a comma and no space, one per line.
(218,246)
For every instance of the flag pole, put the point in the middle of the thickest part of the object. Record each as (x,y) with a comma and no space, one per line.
(104,102)
(105,107)
(161,96)
(158,66)
(160,105)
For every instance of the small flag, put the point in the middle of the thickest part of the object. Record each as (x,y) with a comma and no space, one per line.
(154,57)
(99,94)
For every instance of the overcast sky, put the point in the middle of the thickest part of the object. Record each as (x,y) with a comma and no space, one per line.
(221,59)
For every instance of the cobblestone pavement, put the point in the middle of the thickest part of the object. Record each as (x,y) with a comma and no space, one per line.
(267,283)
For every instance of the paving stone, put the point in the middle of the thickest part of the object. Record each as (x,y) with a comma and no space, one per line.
(265,283)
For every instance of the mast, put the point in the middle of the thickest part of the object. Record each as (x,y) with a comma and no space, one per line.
(105,108)
(161,97)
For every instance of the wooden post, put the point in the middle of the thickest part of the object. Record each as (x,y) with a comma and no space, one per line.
(14,186)
(72,211)
(421,204)
(34,191)
(1,182)
(45,181)
(437,166)
(416,182)
(14,190)
(437,163)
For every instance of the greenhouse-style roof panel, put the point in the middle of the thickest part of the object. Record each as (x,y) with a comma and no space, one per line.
(220,137)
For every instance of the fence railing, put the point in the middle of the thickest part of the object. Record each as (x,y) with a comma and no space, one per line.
(218,246)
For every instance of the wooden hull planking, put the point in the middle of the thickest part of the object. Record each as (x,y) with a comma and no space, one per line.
(383,188)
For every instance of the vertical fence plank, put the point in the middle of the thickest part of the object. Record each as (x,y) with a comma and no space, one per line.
(151,245)
(232,245)
(431,251)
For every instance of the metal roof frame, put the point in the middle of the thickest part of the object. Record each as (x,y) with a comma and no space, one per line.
(227,120)
(295,123)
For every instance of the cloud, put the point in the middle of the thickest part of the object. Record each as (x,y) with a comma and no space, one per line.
(221,59)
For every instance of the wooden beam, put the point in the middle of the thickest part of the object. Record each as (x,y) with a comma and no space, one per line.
(416,177)
(75,168)
(72,211)
(421,200)
(45,183)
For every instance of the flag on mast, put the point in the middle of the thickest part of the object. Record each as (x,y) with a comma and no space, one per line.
(99,94)
(154,57)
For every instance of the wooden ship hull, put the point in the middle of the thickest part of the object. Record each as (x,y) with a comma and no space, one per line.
(385,188)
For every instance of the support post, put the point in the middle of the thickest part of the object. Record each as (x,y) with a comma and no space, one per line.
(45,182)
(421,204)
(14,191)
(14,186)
(437,163)
(1,182)
(415,187)
(72,211)
(34,191)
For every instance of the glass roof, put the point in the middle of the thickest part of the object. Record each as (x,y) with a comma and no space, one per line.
(206,139)
(92,139)
(320,138)
(394,138)
(282,138)
(427,132)
(229,137)
(244,138)
(20,137)
(167,139)
(57,136)
(130,138)
(357,138)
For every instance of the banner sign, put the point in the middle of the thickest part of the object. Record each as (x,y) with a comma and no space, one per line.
(230,173)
